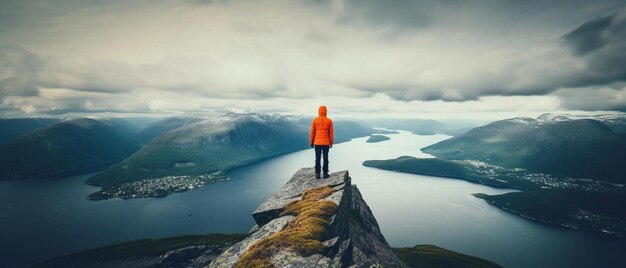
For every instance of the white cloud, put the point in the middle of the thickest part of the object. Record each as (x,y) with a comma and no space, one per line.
(610,97)
(360,56)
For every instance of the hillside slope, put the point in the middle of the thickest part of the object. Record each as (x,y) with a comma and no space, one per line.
(208,146)
(65,148)
(156,128)
(215,145)
(577,148)
(13,128)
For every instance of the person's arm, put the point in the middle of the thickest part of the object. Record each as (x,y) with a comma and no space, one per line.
(331,133)
(312,135)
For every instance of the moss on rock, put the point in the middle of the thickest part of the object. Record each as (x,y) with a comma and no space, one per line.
(303,234)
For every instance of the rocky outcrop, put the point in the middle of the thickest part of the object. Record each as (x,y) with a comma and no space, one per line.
(308,223)
(353,238)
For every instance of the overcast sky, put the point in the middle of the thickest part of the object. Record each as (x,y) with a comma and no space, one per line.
(428,59)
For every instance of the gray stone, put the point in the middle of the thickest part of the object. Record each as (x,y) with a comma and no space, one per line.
(331,242)
(253,229)
(208,256)
(232,254)
(194,256)
(303,180)
(180,257)
(353,238)
(290,259)
(368,243)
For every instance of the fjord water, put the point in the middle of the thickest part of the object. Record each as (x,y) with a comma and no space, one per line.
(46,218)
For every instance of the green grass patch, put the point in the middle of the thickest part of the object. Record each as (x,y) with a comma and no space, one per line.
(138,249)
(433,256)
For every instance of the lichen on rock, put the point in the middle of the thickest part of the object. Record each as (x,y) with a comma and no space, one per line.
(302,235)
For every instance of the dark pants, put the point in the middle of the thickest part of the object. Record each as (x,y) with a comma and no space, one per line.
(319,151)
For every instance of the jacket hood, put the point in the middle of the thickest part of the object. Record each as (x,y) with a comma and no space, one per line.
(322,111)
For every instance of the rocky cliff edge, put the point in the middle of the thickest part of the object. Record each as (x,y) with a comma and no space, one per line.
(352,237)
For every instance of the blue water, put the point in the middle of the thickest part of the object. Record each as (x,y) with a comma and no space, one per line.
(46,218)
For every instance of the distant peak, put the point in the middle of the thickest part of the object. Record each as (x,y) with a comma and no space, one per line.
(255,116)
(82,122)
(555,117)
(523,120)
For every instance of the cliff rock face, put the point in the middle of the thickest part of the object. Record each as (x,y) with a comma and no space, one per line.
(353,238)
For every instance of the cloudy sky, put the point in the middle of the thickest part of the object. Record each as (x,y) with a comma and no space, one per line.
(430,59)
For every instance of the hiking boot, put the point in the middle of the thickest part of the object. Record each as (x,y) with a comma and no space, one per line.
(317,176)
(326,176)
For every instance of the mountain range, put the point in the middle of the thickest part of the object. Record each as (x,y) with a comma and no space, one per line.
(196,146)
(617,122)
(149,158)
(569,168)
(574,147)
(208,146)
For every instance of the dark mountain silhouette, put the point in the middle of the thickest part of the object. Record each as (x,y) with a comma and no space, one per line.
(13,128)
(65,148)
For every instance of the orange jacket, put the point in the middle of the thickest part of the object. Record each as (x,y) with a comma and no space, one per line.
(322,132)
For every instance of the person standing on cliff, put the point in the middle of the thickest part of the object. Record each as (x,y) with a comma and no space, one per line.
(322,136)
